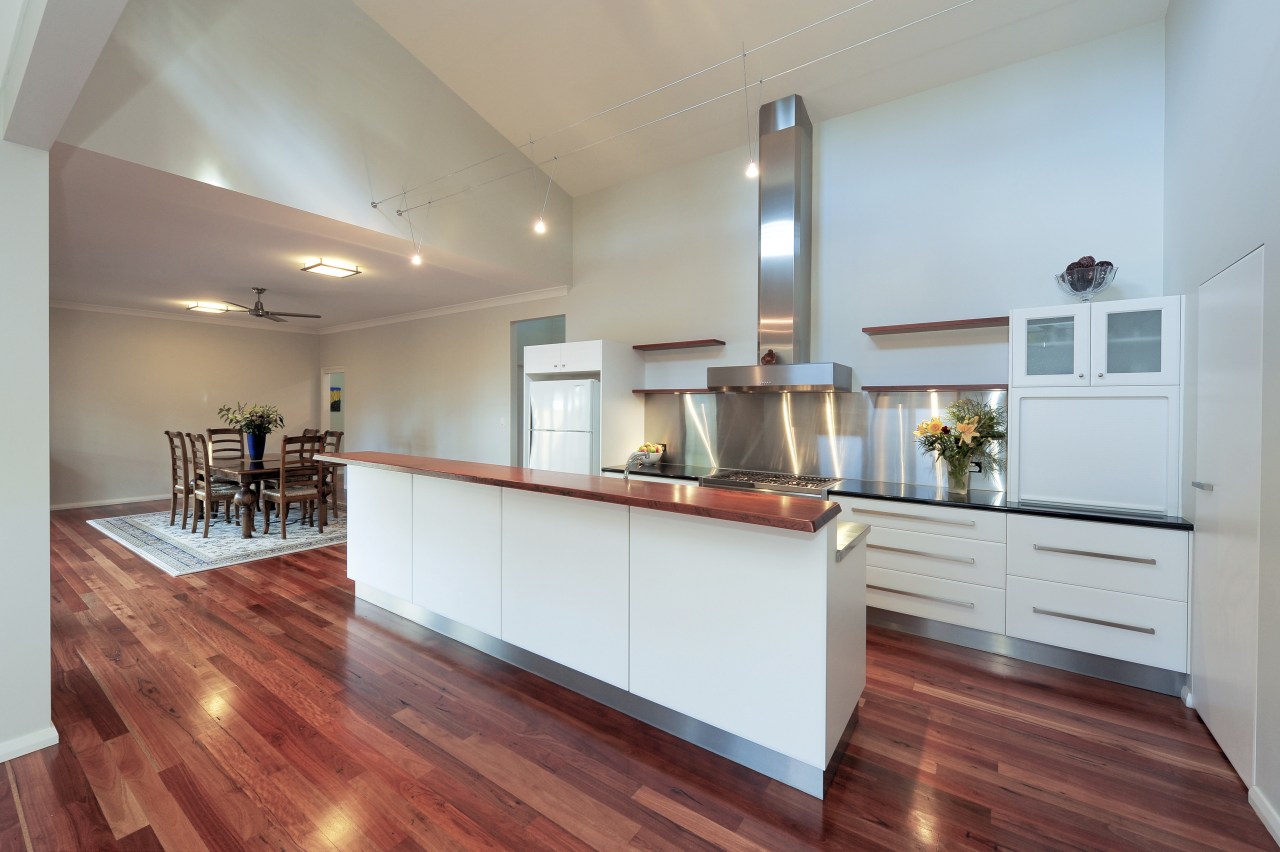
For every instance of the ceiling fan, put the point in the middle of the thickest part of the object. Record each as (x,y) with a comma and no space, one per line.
(259,311)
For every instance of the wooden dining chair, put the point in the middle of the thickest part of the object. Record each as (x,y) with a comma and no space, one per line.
(179,476)
(301,480)
(306,433)
(332,472)
(204,488)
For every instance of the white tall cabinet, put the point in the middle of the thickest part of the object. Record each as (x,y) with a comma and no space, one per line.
(1230,503)
(620,371)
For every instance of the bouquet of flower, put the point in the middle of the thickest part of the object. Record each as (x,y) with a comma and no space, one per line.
(973,435)
(252,419)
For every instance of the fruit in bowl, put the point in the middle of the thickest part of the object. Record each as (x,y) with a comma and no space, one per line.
(1086,277)
(652,453)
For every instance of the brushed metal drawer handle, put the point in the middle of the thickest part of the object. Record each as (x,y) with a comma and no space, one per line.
(964,604)
(1203,486)
(916,518)
(1141,560)
(1149,630)
(961,559)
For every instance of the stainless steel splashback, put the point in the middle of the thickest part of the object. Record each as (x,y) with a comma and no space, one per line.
(842,435)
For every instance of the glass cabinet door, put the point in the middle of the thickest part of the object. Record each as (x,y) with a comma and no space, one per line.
(1135,342)
(1050,346)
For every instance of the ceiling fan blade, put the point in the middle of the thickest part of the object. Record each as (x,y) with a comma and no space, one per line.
(237,307)
(272,317)
(283,314)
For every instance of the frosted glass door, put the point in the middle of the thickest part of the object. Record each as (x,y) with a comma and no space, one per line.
(1050,346)
(1135,342)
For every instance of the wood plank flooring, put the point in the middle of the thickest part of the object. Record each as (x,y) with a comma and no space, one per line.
(260,706)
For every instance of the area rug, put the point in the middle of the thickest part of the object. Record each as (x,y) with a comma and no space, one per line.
(177,552)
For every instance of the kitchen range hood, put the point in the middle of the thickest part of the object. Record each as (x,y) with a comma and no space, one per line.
(783,331)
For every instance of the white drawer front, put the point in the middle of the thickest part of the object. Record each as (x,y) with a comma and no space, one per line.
(1139,629)
(920,517)
(979,607)
(1136,560)
(964,559)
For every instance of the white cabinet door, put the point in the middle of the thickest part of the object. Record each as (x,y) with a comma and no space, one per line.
(1116,448)
(1136,342)
(564,581)
(1229,435)
(542,359)
(457,551)
(380,529)
(581,356)
(1049,346)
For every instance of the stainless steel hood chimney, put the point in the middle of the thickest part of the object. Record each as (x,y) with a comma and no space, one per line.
(783,333)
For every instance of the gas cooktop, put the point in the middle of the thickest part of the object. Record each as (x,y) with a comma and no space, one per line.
(782,483)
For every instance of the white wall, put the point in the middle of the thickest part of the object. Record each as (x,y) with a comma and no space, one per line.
(118,382)
(311,104)
(439,386)
(962,201)
(1223,201)
(24,430)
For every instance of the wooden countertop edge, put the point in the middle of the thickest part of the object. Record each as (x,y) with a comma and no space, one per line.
(745,507)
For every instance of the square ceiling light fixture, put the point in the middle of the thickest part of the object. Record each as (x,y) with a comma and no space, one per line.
(208,307)
(333,270)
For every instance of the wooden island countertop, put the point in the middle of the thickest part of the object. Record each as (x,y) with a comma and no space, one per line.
(802,514)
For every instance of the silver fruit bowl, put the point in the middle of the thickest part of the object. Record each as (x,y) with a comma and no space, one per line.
(1085,282)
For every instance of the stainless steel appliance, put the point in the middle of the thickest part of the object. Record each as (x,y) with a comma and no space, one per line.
(773,483)
(786,226)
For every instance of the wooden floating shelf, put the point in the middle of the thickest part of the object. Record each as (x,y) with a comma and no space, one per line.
(944,325)
(678,344)
(672,390)
(927,388)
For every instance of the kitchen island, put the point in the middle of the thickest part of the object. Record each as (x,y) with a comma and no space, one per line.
(736,621)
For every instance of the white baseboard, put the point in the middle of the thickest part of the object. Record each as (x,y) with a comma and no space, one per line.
(27,743)
(1266,812)
(89,504)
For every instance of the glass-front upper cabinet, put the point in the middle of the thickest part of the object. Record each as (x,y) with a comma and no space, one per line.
(1050,346)
(1136,342)
(1128,342)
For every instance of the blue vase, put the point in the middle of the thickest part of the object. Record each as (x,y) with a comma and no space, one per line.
(257,444)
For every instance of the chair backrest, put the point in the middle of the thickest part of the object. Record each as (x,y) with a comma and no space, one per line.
(309,432)
(200,477)
(179,465)
(333,441)
(225,443)
(298,465)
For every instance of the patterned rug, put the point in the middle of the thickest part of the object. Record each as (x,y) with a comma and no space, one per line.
(177,552)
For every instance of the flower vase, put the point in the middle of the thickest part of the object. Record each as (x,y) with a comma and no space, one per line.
(257,444)
(958,476)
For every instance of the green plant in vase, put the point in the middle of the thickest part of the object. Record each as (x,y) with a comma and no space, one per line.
(973,432)
(256,421)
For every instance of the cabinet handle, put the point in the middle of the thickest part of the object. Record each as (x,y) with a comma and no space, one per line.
(964,604)
(1203,486)
(961,559)
(1148,630)
(1141,560)
(1099,375)
(1080,376)
(915,518)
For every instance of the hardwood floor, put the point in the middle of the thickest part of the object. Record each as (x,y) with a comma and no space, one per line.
(261,706)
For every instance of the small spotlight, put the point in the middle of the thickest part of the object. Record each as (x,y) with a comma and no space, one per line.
(540,226)
(753,171)
(416,260)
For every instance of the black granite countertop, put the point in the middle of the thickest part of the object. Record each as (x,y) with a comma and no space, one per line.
(995,501)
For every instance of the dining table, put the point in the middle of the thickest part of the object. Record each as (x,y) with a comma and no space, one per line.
(249,474)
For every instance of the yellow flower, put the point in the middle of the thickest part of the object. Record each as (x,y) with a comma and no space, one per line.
(922,429)
(935,426)
(968,430)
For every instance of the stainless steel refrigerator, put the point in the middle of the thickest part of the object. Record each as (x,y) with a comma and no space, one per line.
(564,426)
